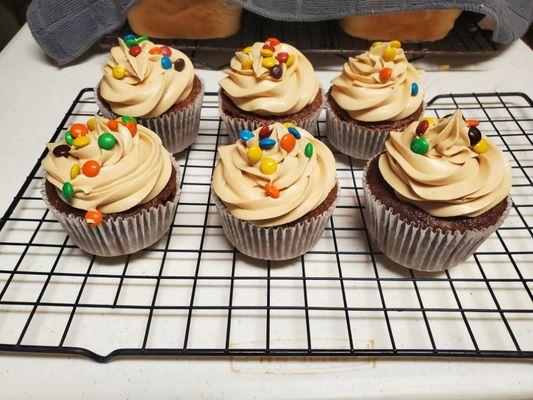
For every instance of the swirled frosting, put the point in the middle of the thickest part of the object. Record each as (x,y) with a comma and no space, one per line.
(147,89)
(303,182)
(256,90)
(133,172)
(451,179)
(360,91)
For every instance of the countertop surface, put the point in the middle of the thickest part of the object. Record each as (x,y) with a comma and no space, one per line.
(34,96)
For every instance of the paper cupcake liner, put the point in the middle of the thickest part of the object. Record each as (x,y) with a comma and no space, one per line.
(423,249)
(273,243)
(237,124)
(177,129)
(119,236)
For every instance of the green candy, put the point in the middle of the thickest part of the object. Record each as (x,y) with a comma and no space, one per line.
(127,119)
(309,150)
(67,191)
(106,141)
(141,39)
(131,42)
(419,145)
(68,138)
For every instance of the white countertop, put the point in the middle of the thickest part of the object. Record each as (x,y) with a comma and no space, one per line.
(34,96)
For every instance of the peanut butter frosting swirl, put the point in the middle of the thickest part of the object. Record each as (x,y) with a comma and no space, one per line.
(147,89)
(303,180)
(451,179)
(365,92)
(275,88)
(133,172)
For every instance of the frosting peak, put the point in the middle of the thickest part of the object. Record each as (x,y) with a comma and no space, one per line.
(270,79)
(457,176)
(378,85)
(277,181)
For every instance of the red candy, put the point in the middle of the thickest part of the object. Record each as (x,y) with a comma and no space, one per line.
(472,122)
(271,191)
(113,125)
(155,50)
(165,51)
(78,130)
(269,47)
(282,57)
(135,51)
(273,41)
(91,168)
(422,127)
(132,126)
(264,132)
(385,74)
(94,217)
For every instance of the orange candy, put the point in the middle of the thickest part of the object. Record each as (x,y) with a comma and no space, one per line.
(78,130)
(288,142)
(132,126)
(271,190)
(273,41)
(472,122)
(94,218)
(155,50)
(112,124)
(385,74)
(91,168)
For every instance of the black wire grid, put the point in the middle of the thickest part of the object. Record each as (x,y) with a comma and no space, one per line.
(192,294)
(327,37)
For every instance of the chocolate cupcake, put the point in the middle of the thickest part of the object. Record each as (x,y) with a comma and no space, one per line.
(267,83)
(155,84)
(436,193)
(275,190)
(113,187)
(377,92)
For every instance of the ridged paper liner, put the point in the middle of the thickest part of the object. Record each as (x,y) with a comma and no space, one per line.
(119,236)
(273,243)
(423,249)
(177,129)
(237,124)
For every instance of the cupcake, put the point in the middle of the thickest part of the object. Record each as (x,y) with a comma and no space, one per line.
(267,83)
(155,84)
(275,190)
(436,193)
(377,92)
(112,186)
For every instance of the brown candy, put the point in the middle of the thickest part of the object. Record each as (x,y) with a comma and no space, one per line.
(422,127)
(62,150)
(179,64)
(264,132)
(276,71)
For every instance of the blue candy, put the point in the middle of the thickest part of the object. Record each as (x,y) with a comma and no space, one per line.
(166,63)
(267,143)
(295,132)
(246,135)
(414,89)
(129,36)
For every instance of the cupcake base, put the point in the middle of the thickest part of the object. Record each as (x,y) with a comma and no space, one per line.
(178,126)
(359,139)
(119,233)
(236,119)
(415,239)
(280,242)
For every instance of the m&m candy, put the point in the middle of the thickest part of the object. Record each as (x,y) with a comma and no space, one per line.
(375,44)
(254,153)
(273,41)
(166,63)
(474,135)
(288,142)
(308,150)
(119,71)
(135,51)
(106,141)
(128,37)
(430,120)
(292,130)
(62,150)
(247,50)
(81,141)
(91,124)
(385,74)
(282,57)
(155,50)
(268,166)
(245,135)
(112,124)
(267,51)
(127,119)
(481,147)
(396,44)
(68,138)
(268,62)
(91,168)
(130,42)
(78,130)
(288,125)
(179,64)
(132,127)
(272,191)
(247,63)
(472,122)
(290,60)
(267,143)
(74,171)
(67,191)
(141,39)
(389,54)
(419,145)
(422,127)
(414,89)
(264,132)
(276,72)
(165,51)
(94,218)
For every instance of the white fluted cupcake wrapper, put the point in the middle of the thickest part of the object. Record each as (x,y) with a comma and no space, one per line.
(273,243)
(236,125)
(177,130)
(423,249)
(119,236)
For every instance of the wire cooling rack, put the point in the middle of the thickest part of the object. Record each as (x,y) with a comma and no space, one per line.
(192,294)
(327,37)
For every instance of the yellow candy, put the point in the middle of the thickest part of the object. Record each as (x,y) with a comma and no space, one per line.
(74,171)
(481,146)
(119,71)
(81,141)
(396,44)
(389,54)
(268,166)
(430,120)
(268,62)
(267,53)
(254,153)
(247,64)
(288,125)
(91,124)
(247,50)
(375,44)
(290,60)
